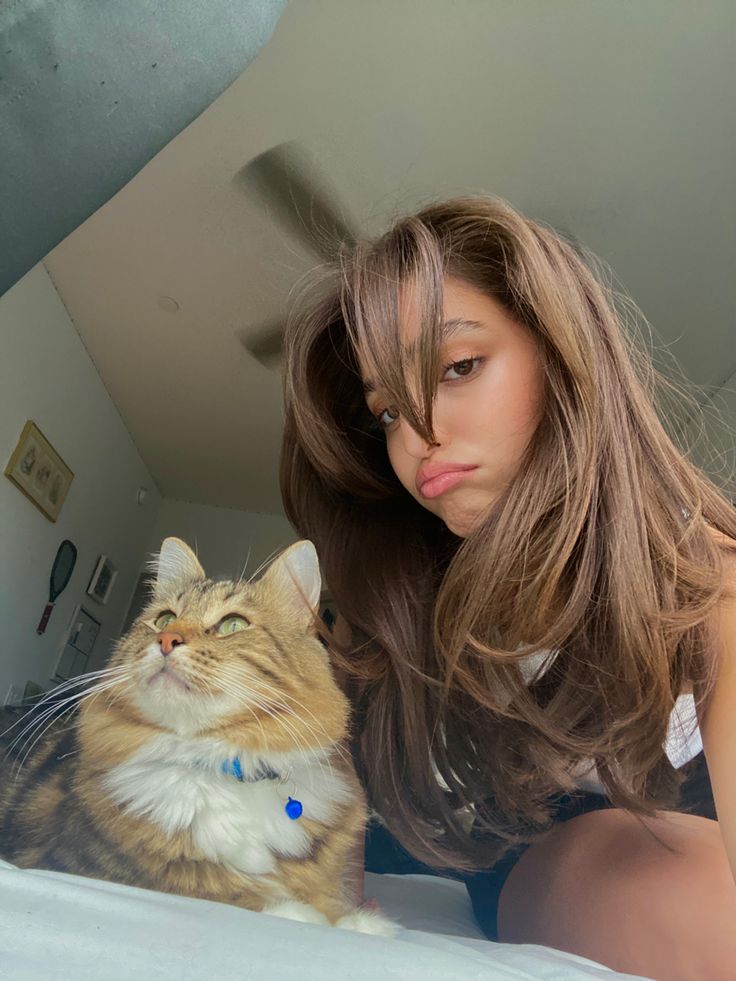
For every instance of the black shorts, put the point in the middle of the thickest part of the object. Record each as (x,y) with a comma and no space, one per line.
(385,855)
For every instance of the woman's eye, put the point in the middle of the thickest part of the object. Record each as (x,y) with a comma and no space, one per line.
(164,619)
(461,369)
(387,417)
(379,422)
(231,625)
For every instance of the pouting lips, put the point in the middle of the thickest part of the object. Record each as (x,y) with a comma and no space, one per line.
(433,480)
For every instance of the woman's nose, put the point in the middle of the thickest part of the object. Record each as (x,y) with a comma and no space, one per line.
(168,640)
(414,444)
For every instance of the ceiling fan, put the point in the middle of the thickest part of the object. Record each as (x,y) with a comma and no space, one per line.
(298,195)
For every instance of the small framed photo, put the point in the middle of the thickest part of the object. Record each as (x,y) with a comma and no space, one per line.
(103,579)
(80,642)
(38,471)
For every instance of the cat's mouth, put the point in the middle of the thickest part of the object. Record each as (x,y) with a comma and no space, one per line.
(169,677)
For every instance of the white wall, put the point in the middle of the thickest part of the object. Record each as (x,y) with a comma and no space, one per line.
(222,537)
(47,376)
(711,436)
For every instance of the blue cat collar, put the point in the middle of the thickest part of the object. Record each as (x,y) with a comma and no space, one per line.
(234,768)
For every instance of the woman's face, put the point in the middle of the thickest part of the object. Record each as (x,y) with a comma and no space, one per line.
(488,405)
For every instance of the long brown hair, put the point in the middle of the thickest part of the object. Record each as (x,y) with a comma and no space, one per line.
(599,550)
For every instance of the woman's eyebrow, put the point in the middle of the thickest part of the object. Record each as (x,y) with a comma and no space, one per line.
(456,325)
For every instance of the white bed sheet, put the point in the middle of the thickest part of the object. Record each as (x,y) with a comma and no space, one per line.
(55,927)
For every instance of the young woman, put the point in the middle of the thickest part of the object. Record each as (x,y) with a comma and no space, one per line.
(540,586)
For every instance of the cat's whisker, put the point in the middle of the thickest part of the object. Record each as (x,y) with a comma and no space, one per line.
(53,704)
(78,698)
(53,711)
(278,703)
(251,687)
(60,689)
(115,695)
(283,694)
(235,689)
(92,694)
(274,703)
(35,729)
(242,574)
(260,724)
(33,735)
(44,729)
(263,564)
(296,701)
(257,679)
(250,695)
(241,692)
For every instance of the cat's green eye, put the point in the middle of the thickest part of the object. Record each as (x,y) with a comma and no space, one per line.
(164,619)
(231,625)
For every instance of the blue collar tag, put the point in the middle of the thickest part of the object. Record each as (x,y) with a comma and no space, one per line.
(234,768)
(293,808)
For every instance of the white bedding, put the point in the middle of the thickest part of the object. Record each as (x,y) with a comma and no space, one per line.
(55,926)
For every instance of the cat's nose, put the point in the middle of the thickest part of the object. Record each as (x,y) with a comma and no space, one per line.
(168,640)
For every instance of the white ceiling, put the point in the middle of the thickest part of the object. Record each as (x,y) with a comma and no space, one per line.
(612,119)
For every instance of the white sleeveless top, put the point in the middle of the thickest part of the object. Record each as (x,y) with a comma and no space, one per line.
(683,741)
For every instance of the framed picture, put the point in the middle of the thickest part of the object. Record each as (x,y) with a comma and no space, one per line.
(80,642)
(103,579)
(38,471)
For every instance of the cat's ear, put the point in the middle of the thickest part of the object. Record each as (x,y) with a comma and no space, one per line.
(175,565)
(295,575)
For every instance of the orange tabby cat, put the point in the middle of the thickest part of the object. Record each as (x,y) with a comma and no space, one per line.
(207,760)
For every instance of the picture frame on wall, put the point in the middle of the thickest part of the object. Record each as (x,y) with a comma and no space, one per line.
(39,472)
(103,579)
(81,638)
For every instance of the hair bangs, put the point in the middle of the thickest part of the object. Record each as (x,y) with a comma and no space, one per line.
(398,281)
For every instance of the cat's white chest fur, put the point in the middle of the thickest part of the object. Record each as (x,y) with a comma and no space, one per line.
(177,783)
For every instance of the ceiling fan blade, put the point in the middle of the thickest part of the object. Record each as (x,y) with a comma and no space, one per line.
(300,197)
(264,343)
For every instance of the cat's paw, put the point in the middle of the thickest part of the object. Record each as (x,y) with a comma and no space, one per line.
(291,909)
(368,921)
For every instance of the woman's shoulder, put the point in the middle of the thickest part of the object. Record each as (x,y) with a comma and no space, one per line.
(724,606)
(727,546)
(724,615)
(727,543)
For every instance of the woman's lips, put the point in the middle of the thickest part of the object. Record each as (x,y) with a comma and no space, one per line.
(440,482)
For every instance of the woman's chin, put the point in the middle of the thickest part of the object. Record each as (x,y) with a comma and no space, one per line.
(463,521)
(461,530)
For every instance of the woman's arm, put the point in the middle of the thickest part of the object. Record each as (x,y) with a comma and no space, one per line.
(356,859)
(718,722)
(356,872)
